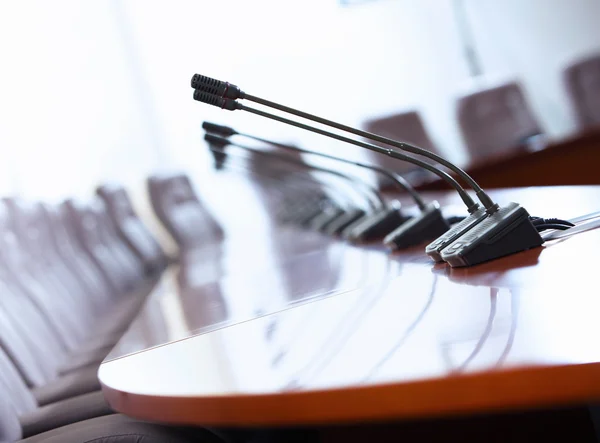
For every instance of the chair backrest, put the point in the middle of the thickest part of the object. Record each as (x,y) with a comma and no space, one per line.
(406,127)
(27,278)
(34,332)
(13,387)
(582,81)
(73,255)
(10,427)
(121,253)
(14,343)
(86,225)
(36,237)
(181,212)
(495,121)
(131,229)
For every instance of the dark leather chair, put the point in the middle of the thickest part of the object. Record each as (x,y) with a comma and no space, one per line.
(79,419)
(88,228)
(181,212)
(582,82)
(496,121)
(47,314)
(406,127)
(131,229)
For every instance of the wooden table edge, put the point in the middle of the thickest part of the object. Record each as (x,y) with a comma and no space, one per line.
(531,387)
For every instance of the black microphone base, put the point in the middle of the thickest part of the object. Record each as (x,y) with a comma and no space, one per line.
(341,223)
(427,225)
(304,215)
(434,249)
(377,226)
(320,222)
(505,232)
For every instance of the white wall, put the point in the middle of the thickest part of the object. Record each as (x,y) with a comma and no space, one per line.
(534,40)
(70,114)
(92,91)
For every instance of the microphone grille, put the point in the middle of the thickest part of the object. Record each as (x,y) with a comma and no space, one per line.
(216,87)
(215,100)
(208,98)
(207,84)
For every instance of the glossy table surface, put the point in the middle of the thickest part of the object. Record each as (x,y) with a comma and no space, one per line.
(290,327)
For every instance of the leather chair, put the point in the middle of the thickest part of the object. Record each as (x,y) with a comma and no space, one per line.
(80,419)
(68,368)
(582,81)
(131,229)
(181,212)
(496,121)
(35,419)
(87,228)
(405,127)
(35,351)
(34,237)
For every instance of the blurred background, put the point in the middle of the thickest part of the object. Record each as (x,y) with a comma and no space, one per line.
(99,91)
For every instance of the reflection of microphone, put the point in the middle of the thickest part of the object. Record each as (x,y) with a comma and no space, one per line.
(304,206)
(398,180)
(377,226)
(505,231)
(329,214)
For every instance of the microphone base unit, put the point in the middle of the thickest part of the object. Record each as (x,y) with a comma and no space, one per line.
(304,213)
(376,226)
(328,215)
(430,223)
(434,249)
(505,232)
(337,226)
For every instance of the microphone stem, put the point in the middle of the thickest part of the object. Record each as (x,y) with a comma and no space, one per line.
(400,182)
(483,197)
(466,198)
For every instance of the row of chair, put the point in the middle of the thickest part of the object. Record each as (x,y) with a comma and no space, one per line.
(497,120)
(73,276)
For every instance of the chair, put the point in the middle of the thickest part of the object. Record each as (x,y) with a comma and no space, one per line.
(131,230)
(405,127)
(59,338)
(582,81)
(181,212)
(89,231)
(496,121)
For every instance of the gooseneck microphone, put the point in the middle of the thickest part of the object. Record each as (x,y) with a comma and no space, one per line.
(375,201)
(228,93)
(484,235)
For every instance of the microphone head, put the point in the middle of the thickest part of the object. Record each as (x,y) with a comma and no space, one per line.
(223,131)
(214,100)
(216,87)
(430,223)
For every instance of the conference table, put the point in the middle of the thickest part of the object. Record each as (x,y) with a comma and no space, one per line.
(293,328)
